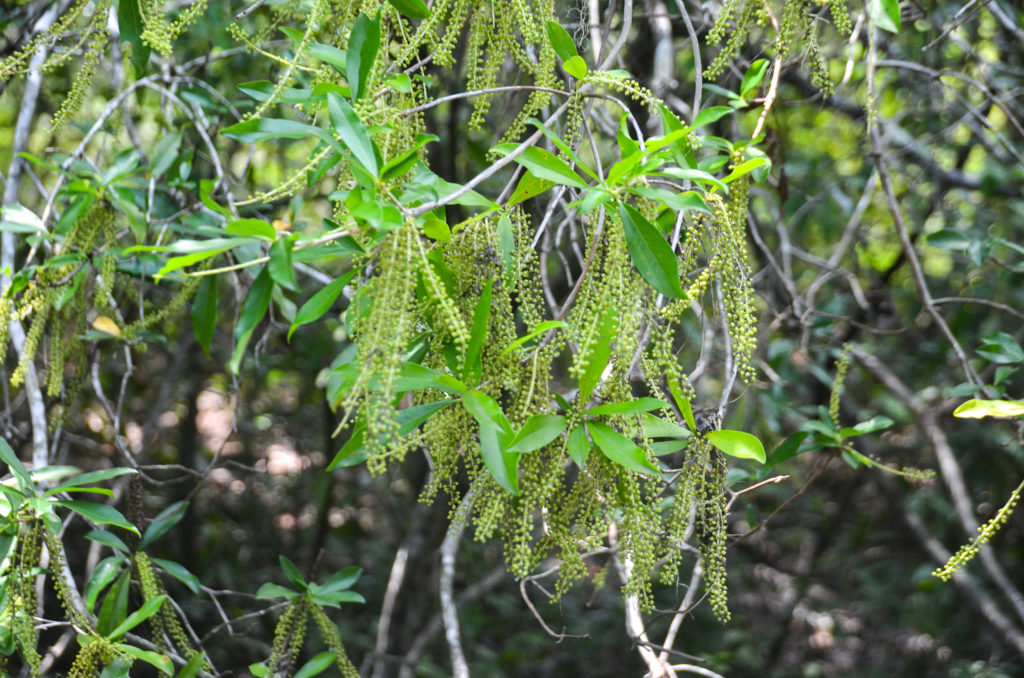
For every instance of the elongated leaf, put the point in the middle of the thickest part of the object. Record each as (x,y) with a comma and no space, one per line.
(129,23)
(251,228)
(321,302)
(788,448)
(108,539)
(204,312)
(330,55)
(683,404)
(529,186)
(269,590)
(538,431)
(874,424)
(408,420)
(620,449)
(978,409)
(494,429)
(753,77)
(628,407)
(316,665)
(414,377)
(414,9)
(651,254)
(253,310)
(710,115)
(350,128)
(262,90)
(119,668)
(472,367)
(88,479)
(98,514)
(576,67)
(105,572)
(167,519)
(179,572)
(540,329)
(280,264)
(115,605)
(698,175)
(560,39)
(161,661)
(341,580)
(292,572)
(545,165)
(656,427)
(164,154)
(192,668)
(18,469)
(599,355)
(677,202)
(738,444)
(885,14)
(579,445)
(405,162)
(744,168)
(264,129)
(363,42)
(148,609)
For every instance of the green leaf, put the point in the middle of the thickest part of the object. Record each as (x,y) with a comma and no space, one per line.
(321,302)
(164,154)
(363,42)
(263,129)
(258,669)
(437,230)
(788,448)
(316,665)
(651,254)
(253,310)
(98,514)
(1001,348)
(688,174)
(292,573)
(538,431)
(400,82)
(108,539)
(683,404)
(544,165)
(20,219)
(494,428)
(738,444)
(978,409)
(579,445)
(105,572)
(148,609)
(193,667)
(124,164)
(874,424)
(330,55)
(576,67)
(269,590)
(529,186)
(560,39)
(204,312)
(342,579)
(350,128)
(119,668)
(88,479)
(710,115)
(129,23)
(414,9)
(167,519)
(18,469)
(179,572)
(472,366)
(885,14)
(628,407)
(541,328)
(656,427)
(677,202)
(599,355)
(744,168)
(247,228)
(406,161)
(620,449)
(753,77)
(161,661)
(414,377)
(280,265)
(115,605)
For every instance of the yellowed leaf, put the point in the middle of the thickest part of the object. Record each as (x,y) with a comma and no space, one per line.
(979,409)
(106,325)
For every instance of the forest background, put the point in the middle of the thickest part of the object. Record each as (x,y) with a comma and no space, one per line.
(529,338)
